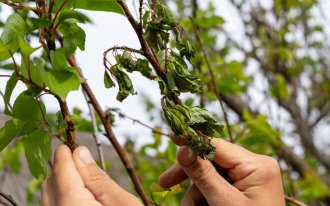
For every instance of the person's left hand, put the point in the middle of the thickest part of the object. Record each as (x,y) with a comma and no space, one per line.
(79,181)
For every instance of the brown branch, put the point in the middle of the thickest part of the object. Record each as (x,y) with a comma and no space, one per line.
(294,201)
(302,128)
(8,198)
(110,135)
(214,84)
(70,133)
(323,113)
(148,51)
(19,6)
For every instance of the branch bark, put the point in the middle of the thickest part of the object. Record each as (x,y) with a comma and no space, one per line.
(110,135)
(70,131)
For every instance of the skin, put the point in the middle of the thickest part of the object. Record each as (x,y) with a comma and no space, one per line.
(256,179)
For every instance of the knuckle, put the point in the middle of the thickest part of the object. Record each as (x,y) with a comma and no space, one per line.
(202,174)
(269,165)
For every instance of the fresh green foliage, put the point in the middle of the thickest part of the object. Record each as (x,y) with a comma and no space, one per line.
(282,60)
(37,152)
(47,72)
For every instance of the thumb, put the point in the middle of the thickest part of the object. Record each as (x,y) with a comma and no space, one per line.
(103,188)
(203,174)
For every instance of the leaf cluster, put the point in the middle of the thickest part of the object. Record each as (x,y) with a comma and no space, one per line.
(194,124)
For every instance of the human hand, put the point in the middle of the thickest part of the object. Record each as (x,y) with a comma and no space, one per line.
(256,178)
(79,181)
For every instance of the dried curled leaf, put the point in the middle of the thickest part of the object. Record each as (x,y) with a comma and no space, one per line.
(195,123)
(125,84)
(139,65)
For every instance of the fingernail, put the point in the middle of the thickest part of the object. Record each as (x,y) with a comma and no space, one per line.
(186,156)
(86,157)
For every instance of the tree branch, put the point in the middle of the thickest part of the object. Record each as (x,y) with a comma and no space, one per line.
(153,130)
(294,201)
(70,133)
(214,84)
(110,135)
(8,198)
(95,131)
(4,75)
(323,113)
(19,6)
(302,128)
(148,51)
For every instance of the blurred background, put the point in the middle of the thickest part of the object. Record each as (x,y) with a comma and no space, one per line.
(271,62)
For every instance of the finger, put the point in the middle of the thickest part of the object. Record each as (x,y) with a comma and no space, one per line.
(172,176)
(193,197)
(202,173)
(104,189)
(47,193)
(179,140)
(229,155)
(67,179)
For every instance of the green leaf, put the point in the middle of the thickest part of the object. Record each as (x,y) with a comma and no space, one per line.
(15,128)
(36,23)
(99,5)
(125,84)
(155,187)
(59,61)
(26,107)
(12,155)
(71,16)
(37,152)
(15,27)
(11,84)
(4,51)
(62,82)
(142,65)
(74,36)
(26,49)
(108,83)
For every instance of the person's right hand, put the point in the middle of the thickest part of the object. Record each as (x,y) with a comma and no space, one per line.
(257,178)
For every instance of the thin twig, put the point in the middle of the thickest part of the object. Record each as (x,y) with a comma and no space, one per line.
(19,6)
(8,198)
(139,122)
(70,133)
(125,48)
(294,201)
(4,75)
(95,131)
(3,96)
(214,84)
(141,11)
